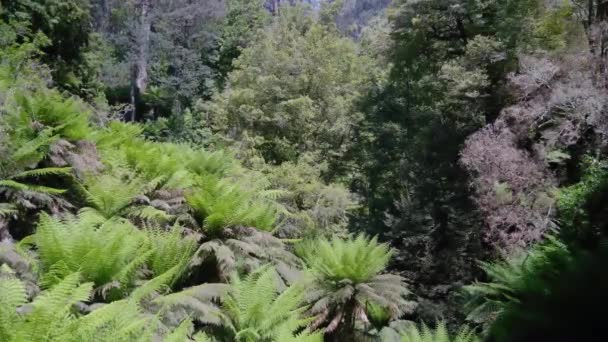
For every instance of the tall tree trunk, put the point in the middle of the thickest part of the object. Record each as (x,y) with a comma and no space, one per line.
(103,21)
(139,76)
(602,10)
(597,35)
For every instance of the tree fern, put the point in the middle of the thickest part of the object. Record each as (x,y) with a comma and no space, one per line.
(246,249)
(170,248)
(151,160)
(67,117)
(22,186)
(509,279)
(111,255)
(16,182)
(119,194)
(143,316)
(198,302)
(109,195)
(11,184)
(51,312)
(51,315)
(116,134)
(221,203)
(203,163)
(345,275)
(27,149)
(43,172)
(111,252)
(556,298)
(23,178)
(258,312)
(33,122)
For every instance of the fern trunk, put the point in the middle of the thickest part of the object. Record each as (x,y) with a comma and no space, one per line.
(347,329)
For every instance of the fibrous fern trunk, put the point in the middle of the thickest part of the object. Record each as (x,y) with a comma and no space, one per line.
(346,332)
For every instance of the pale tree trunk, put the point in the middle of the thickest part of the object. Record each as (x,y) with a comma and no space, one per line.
(139,76)
(597,35)
(103,20)
(107,13)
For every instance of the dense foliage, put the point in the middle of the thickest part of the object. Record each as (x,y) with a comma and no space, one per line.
(303,170)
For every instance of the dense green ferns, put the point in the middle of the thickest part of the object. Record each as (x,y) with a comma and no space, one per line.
(512,278)
(439,334)
(111,255)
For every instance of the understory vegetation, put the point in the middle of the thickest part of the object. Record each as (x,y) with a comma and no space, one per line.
(303,170)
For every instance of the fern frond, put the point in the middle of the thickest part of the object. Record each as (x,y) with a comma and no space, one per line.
(32,152)
(51,311)
(154,285)
(181,333)
(509,278)
(148,214)
(198,301)
(7,209)
(170,248)
(12,296)
(349,271)
(200,337)
(26,187)
(257,309)
(110,252)
(44,172)
(110,195)
(274,194)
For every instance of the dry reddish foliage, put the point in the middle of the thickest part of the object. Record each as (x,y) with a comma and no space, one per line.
(512,160)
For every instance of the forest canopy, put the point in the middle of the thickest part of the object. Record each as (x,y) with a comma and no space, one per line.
(303,170)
